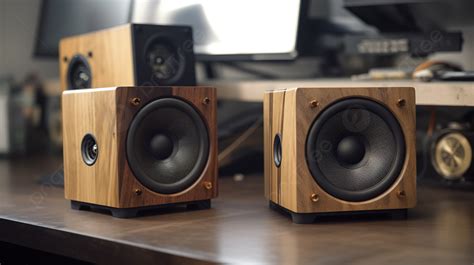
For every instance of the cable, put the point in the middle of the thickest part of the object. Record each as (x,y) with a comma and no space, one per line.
(432,122)
(237,142)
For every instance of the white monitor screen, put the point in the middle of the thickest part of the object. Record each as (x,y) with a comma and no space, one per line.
(257,29)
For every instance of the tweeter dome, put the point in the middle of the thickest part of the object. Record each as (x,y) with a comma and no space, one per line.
(128,55)
(126,148)
(333,150)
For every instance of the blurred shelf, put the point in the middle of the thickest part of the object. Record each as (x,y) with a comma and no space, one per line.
(427,93)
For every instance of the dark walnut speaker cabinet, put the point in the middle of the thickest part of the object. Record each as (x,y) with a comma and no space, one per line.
(340,150)
(128,55)
(133,148)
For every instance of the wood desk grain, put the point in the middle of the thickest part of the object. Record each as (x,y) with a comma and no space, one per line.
(240,228)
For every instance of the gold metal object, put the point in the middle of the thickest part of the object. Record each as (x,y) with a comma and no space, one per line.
(135,101)
(138,192)
(313,103)
(401,193)
(452,156)
(314,197)
(206,101)
(207,185)
(401,102)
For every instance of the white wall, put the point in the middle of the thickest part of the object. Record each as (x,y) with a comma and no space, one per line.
(18,22)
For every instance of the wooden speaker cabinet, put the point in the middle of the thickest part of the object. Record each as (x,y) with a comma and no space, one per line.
(338,150)
(128,55)
(132,148)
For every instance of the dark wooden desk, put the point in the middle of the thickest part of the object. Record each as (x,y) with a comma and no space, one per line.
(240,228)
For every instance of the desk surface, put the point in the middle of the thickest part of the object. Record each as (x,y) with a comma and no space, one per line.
(427,93)
(240,228)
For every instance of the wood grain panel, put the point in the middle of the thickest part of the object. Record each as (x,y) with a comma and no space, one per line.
(280,120)
(108,52)
(90,111)
(302,183)
(267,145)
(273,125)
(110,114)
(288,142)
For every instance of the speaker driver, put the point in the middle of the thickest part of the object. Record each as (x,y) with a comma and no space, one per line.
(355,149)
(89,149)
(166,64)
(79,73)
(452,156)
(167,145)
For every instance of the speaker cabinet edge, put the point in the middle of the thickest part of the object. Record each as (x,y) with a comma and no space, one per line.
(83,113)
(96,49)
(310,197)
(127,186)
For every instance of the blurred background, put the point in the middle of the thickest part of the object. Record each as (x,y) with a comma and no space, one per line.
(425,40)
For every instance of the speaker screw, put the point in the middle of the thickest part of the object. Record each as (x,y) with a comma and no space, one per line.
(138,192)
(65,59)
(206,101)
(207,185)
(135,101)
(314,197)
(401,102)
(313,104)
(401,193)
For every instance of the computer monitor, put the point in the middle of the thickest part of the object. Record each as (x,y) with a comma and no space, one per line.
(62,18)
(231,29)
(413,15)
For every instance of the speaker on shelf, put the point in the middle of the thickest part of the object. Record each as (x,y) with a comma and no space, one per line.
(339,150)
(451,154)
(128,55)
(447,159)
(133,148)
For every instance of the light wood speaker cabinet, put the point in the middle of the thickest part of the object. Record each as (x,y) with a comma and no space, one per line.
(131,148)
(128,55)
(339,150)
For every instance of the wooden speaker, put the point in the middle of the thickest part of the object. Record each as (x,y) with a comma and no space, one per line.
(339,150)
(132,148)
(128,55)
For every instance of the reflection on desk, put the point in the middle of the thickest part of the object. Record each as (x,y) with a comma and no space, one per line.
(240,228)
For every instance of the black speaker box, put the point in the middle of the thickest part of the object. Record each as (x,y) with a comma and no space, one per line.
(128,55)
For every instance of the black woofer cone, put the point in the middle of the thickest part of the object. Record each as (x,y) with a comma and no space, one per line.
(89,149)
(167,145)
(79,73)
(355,149)
(166,63)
